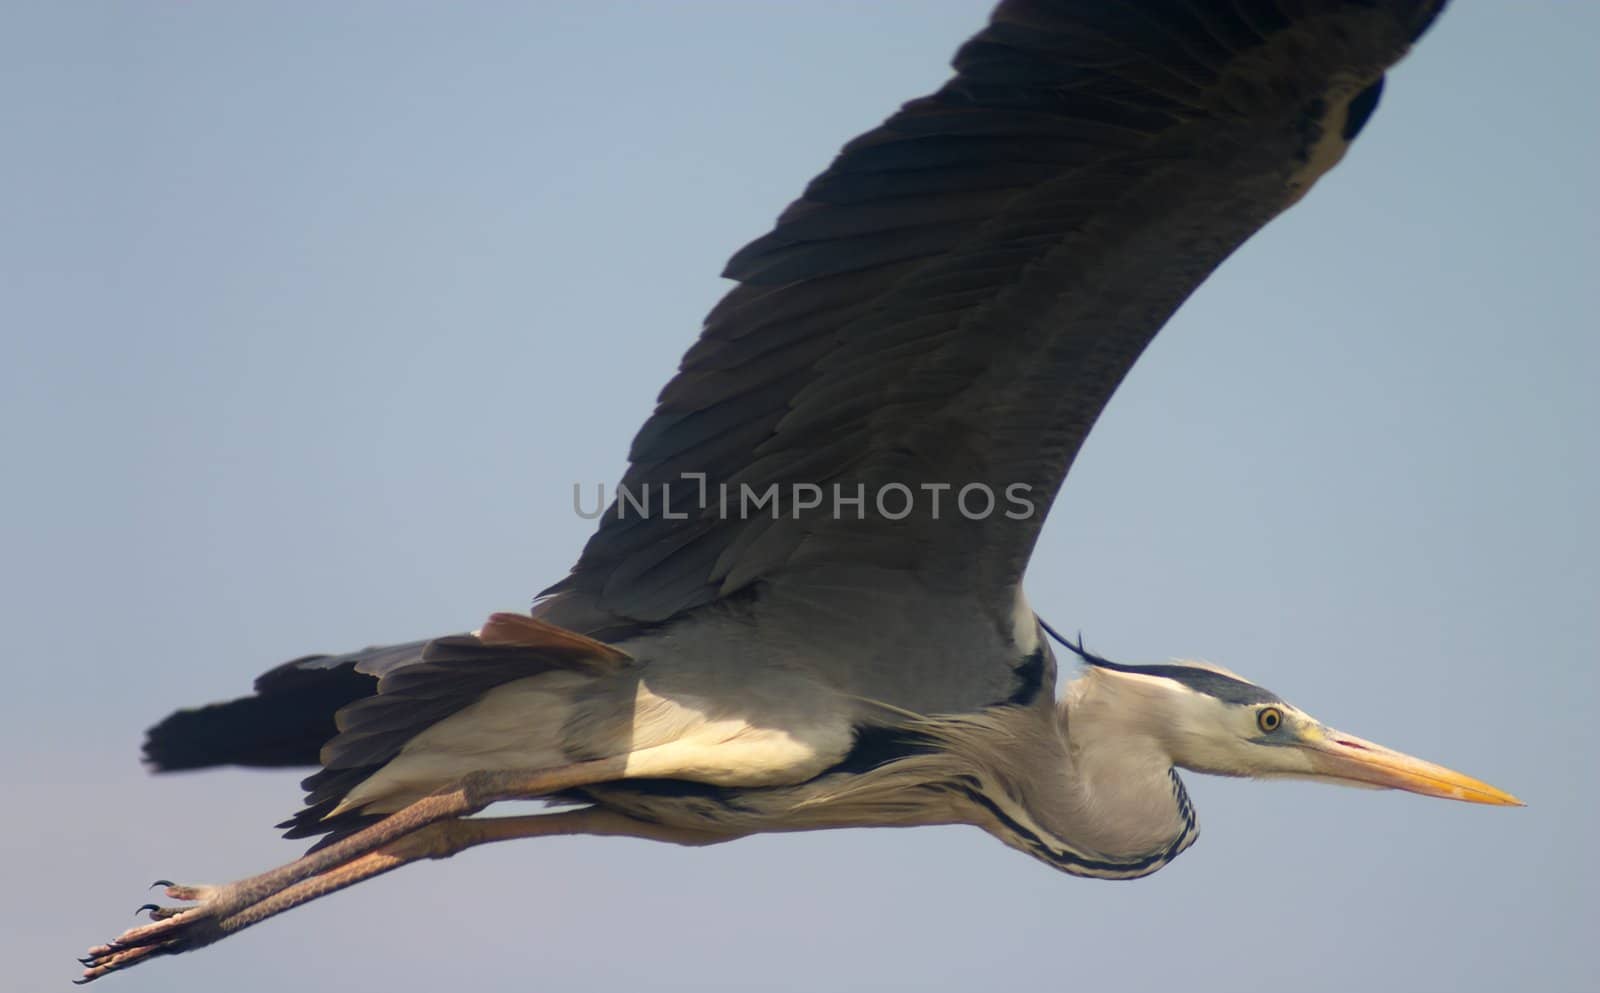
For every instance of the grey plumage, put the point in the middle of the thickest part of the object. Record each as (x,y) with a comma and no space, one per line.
(948,307)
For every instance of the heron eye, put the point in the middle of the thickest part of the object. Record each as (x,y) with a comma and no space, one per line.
(1269,718)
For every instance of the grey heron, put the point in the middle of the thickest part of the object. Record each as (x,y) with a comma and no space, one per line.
(945,312)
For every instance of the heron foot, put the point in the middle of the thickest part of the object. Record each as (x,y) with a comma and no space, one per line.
(175,929)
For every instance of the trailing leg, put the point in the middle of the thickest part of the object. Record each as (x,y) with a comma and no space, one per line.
(433,827)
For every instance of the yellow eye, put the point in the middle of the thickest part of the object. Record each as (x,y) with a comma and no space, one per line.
(1268,719)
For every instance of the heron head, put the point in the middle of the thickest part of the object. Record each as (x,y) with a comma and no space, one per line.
(1211,720)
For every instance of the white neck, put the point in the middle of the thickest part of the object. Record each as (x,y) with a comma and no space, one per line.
(1121,796)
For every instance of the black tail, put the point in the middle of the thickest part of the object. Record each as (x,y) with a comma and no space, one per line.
(285,723)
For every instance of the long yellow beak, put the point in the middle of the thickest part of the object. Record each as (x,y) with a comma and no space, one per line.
(1354,760)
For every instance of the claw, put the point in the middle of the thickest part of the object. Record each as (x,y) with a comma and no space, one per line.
(145,907)
(99,965)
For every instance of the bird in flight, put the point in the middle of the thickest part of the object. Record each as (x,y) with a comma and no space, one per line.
(804,607)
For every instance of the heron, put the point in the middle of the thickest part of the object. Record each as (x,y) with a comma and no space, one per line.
(803,608)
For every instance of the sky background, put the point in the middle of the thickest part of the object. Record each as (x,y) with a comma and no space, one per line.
(313,314)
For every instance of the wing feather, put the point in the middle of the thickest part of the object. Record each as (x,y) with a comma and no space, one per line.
(953,302)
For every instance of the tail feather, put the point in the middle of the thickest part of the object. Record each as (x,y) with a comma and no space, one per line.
(353,713)
(285,723)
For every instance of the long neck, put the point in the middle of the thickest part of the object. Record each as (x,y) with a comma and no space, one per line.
(1110,805)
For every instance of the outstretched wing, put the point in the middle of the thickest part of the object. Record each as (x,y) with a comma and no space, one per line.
(951,304)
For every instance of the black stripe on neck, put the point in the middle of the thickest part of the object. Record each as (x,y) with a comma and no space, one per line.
(1069,860)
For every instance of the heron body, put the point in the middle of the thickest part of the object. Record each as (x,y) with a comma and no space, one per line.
(941,316)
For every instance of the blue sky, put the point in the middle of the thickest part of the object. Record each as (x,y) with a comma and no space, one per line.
(314,314)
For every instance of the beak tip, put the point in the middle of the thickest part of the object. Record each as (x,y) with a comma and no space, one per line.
(1494,798)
